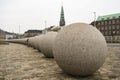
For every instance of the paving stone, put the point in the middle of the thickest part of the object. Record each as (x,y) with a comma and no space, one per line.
(2,78)
(19,62)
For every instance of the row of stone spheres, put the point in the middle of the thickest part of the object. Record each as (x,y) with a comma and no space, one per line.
(79,48)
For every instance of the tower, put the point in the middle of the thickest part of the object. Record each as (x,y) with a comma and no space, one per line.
(62,20)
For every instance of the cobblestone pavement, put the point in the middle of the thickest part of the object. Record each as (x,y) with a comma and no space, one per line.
(19,62)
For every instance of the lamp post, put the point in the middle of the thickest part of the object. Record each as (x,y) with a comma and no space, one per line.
(94,18)
(45,26)
(19,31)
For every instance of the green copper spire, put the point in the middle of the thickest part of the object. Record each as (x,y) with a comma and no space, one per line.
(62,20)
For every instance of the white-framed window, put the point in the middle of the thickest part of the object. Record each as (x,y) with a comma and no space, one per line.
(106,23)
(106,33)
(102,28)
(109,22)
(113,32)
(117,21)
(113,21)
(102,23)
(117,32)
(98,23)
(105,27)
(113,27)
(109,27)
(118,26)
(109,32)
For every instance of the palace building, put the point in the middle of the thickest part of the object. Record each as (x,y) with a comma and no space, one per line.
(109,26)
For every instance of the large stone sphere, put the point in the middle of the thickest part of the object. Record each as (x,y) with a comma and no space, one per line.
(30,41)
(80,49)
(33,41)
(46,44)
(20,41)
(36,41)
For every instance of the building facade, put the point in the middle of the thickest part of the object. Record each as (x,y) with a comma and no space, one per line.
(32,33)
(2,34)
(8,35)
(109,26)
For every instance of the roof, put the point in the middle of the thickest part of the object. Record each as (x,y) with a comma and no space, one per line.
(34,31)
(56,28)
(2,31)
(106,17)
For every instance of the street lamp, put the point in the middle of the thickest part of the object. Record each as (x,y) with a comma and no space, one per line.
(19,31)
(94,18)
(45,26)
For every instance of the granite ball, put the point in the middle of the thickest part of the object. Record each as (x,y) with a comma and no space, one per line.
(36,41)
(33,41)
(20,41)
(80,49)
(30,42)
(46,44)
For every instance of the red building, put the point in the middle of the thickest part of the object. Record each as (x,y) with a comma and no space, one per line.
(109,26)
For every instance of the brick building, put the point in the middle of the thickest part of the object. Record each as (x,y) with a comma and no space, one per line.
(109,26)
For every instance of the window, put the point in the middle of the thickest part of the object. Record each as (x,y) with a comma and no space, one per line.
(105,22)
(117,26)
(117,21)
(102,28)
(105,27)
(113,27)
(98,23)
(113,21)
(106,33)
(109,32)
(113,32)
(109,27)
(102,23)
(117,32)
(109,22)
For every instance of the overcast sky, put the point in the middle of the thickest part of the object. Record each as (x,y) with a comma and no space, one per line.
(32,14)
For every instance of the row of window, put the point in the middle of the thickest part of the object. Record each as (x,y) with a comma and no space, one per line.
(108,22)
(112,38)
(111,33)
(109,27)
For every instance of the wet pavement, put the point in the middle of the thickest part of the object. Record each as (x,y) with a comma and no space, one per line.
(20,62)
